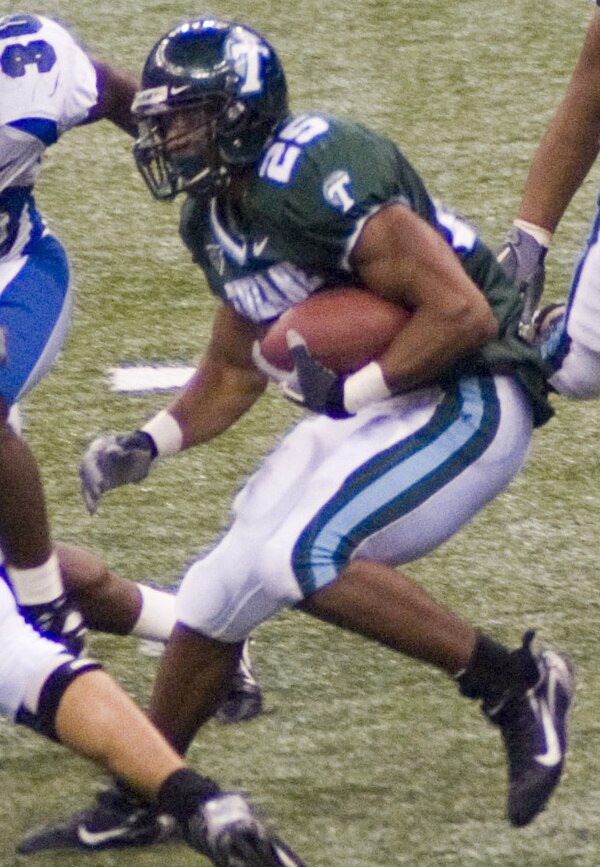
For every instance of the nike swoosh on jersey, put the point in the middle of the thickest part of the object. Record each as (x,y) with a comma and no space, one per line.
(258,247)
(97,838)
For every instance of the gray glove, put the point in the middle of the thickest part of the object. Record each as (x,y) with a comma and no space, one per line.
(111,461)
(315,386)
(522,260)
(227,829)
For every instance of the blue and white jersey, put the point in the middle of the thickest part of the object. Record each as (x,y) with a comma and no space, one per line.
(47,86)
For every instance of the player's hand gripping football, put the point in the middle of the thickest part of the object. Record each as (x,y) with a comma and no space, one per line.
(314,386)
(309,384)
(112,461)
(228,830)
(522,260)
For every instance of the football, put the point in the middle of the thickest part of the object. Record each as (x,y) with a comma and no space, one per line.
(344,328)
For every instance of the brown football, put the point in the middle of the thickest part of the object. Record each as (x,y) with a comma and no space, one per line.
(344,328)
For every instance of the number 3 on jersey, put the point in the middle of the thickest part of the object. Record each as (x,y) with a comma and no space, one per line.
(279,161)
(16,57)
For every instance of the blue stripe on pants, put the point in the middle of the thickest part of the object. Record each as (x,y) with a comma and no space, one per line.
(398,480)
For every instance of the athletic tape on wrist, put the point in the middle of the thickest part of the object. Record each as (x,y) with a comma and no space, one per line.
(166,433)
(541,235)
(365,386)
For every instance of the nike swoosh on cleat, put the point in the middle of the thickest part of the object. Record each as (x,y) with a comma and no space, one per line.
(97,838)
(553,753)
(284,859)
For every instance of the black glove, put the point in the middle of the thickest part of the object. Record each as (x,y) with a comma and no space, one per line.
(59,621)
(112,461)
(319,388)
(522,260)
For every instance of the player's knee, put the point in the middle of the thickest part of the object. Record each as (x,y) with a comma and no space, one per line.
(579,376)
(38,712)
(226,597)
(83,572)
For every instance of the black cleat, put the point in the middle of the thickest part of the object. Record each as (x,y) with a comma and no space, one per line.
(244,700)
(118,820)
(534,729)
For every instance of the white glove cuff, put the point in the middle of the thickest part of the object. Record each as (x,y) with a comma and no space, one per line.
(541,235)
(365,386)
(166,433)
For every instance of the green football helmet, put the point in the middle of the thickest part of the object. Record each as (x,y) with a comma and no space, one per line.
(213,92)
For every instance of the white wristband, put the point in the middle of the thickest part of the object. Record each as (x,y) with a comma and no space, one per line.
(541,235)
(365,386)
(166,433)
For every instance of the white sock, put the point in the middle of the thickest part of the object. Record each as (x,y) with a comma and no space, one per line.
(38,585)
(157,615)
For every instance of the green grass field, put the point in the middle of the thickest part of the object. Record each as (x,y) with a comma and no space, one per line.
(362,758)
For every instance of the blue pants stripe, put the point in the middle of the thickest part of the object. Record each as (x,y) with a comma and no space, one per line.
(397,480)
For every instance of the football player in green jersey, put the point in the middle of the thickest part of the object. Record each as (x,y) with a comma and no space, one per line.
(397,456)
(49,85)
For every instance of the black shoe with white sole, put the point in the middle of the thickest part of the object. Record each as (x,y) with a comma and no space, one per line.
(117,820)
(533,726)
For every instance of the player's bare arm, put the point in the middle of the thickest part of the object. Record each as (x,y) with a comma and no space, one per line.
(571,142)
(116,90)
(561,162)
(226,383)
(223,388)
(401,258)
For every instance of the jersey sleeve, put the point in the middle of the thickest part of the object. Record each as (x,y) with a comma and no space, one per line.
(340,177)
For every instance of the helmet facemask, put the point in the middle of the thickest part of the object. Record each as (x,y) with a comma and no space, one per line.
(177,149)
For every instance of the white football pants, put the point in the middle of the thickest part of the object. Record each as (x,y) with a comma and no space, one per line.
(26,659)
(389,484)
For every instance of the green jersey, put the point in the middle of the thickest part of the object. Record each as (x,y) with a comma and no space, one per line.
(317,182)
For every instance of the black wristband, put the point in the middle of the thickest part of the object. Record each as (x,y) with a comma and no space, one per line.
(141,439)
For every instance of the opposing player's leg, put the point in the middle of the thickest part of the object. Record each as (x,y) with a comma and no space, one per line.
(35,309)
(75,703)
(569,334)
(114,604)
(96,719)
